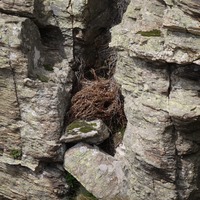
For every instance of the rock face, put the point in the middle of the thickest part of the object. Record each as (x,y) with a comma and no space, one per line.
(35,84)
(158,67)
(37,48)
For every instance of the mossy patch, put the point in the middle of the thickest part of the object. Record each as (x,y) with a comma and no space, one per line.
(71,181)
(82,125)
(48,67)
(42,78)
(152,33)
(86,129)
(77,191)
(73,184)
(16,153)
(1,152)
(122,130)
(85,195)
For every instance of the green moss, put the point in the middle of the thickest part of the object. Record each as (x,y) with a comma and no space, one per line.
(73,184)
(83,194)
(89,195)
(71,181)
(75,124)
(48,67)
(43,78)
(86,129)
(83,126)
(76,189)
(16,153)
(152,33)
(1,152)
(122,130)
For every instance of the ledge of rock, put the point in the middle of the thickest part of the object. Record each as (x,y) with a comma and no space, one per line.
(96,170)
(93,132)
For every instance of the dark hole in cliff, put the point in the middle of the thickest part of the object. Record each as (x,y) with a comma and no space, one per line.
(195,195)
(189,71)
(3,198)
(1,151)
(53,46)
(51,36)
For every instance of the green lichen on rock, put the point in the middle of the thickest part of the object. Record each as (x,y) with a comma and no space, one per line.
(42,78)
(152,33)
(83,194)
(77,191)
(16,153)
(48,67)
(1,152)
(71,181)
(82,125)
(86,129)
(122,130)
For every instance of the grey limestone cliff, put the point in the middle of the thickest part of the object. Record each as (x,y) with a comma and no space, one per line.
(44,45)
(158,68)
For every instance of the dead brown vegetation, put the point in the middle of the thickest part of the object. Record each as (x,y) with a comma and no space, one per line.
(99,99)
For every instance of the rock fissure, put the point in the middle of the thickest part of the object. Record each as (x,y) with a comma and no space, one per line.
(94,64)
(96,96)
(16,90)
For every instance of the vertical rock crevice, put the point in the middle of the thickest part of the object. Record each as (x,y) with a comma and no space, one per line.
(175,134)
(94,63)
(15,87)
(184,79)
(94,66)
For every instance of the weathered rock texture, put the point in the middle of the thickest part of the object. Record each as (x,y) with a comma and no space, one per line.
(158,68)
(100,173)
(38,43)
(35,84)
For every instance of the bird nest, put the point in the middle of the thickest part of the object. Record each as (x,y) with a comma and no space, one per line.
(99,99)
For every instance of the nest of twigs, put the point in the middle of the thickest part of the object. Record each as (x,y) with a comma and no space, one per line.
(99,99)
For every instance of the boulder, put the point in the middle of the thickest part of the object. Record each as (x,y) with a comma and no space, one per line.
(98,172)
(93,132)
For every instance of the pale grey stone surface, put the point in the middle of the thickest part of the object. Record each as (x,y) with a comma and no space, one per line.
(173,44)
(158,45)
(36,81)
(99,172)
(36,50)
(159,75)
(92,132)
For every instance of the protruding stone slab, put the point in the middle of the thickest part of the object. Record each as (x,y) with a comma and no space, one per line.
(98,172)
(93,132)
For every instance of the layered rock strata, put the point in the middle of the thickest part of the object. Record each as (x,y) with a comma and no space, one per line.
(39,43)
(158,67)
